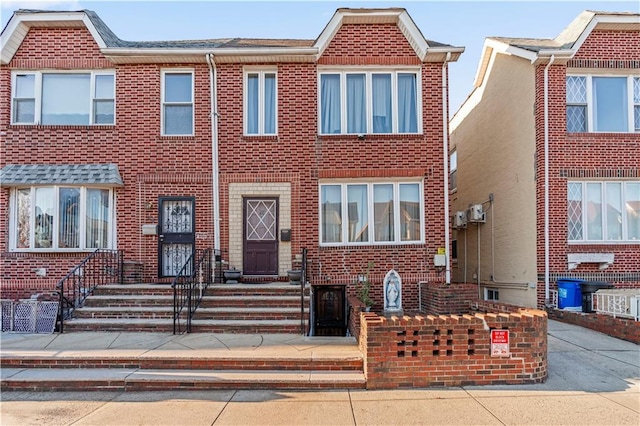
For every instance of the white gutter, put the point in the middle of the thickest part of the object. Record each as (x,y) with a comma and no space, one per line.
(215,174)
(445,153)
(546,180)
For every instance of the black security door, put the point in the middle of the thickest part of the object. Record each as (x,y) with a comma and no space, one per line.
(176,239)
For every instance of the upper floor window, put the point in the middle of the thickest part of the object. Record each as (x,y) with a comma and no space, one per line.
(260,113)
(61,218)
(370,213)
(360,102)
(603,103)
(177,103)
(453,170)
(603,211)
(63,98)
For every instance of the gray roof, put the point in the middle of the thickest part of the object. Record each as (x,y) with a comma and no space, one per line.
(60,174)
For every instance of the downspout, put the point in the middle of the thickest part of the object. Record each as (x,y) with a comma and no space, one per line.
(214,154)
(445,152)
(546,180)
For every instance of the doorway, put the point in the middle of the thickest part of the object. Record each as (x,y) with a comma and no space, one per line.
(176,234)
(260,236)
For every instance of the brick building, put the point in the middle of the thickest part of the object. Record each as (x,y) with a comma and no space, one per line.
(258,148)
(547,149)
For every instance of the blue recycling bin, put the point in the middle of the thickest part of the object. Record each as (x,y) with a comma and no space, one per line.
(569,294)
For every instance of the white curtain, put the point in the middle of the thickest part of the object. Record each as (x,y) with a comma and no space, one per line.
(407,109)
(270,104)
(330,103)
(252,103)
(382,117)
(356,104)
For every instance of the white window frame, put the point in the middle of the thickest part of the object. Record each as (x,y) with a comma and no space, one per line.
(13,220)
(261,95)
(453,170)
(491,294)
(38,95)
(370,211)
(590,105)
(164,103)
(603,206)
(368,72)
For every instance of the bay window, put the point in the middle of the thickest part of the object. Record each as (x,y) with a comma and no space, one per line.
(63,98)
(260,102)
(371,213)
(177,103)
(64,218)
(603,103)
(603,211)
(360,102)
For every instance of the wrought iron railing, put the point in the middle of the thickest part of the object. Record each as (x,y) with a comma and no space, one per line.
(189,286)
(100,267)
(303,283)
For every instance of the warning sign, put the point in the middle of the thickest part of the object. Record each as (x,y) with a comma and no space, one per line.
(499,342)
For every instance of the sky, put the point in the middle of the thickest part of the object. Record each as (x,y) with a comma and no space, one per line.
(458,23)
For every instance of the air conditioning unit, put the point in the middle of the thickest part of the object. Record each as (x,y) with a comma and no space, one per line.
(475,214)
(459,220)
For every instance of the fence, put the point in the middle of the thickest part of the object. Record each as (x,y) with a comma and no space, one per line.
(29,316)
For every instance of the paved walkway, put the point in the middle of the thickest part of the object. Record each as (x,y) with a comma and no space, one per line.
(593,379)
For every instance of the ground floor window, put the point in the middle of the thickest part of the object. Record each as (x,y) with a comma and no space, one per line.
(491,294)
(61,218)
(359,213)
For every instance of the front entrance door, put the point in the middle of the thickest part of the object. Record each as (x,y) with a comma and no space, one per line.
(260,252)
(176,238)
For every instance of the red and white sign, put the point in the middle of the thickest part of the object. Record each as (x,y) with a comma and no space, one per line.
(499,342)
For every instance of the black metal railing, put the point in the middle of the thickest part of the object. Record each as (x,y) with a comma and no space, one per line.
(100,267)
(303,283)
(189,286)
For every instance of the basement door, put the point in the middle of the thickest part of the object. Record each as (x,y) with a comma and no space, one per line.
(177,236)
(260,245)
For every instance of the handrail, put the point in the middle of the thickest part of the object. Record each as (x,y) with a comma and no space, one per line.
(189,286)
(303,282)
(101,267)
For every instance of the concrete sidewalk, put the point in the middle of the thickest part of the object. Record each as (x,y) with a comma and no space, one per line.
(593,380)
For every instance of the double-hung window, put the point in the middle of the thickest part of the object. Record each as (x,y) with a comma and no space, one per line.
(63,98)
(372,101)
(260,106)
(359,213)
(603,103)
(177,103)
(603,211)
(66,218)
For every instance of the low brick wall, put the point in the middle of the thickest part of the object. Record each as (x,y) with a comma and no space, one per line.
(621,328)
(41,289)
(452,350)
(440,298)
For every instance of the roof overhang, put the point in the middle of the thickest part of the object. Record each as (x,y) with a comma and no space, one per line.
(103,175)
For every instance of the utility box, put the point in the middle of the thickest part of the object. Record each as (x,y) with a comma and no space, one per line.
(475,214)
(150,229)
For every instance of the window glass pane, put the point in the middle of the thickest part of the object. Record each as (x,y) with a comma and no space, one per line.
(25,86)
(69,218)
(636,101)
(270,104)
(330,103)
(358,210)
(614,211)
(24,111)
(252,103)
(65,98)
(104,87)
(632,207)
(576,118)
(45,215)
(23,226)
(574,211)
(636,118)
(178,120)
(594,211)
(97,226)
(177,87)
(610,104)
(103,112)
(407,103)
(409,212)
(576,90)
(331,201)
(383,212)
(382,117)
(356,104)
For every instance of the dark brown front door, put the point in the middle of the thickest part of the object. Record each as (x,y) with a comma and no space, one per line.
(260,236)
(176,234)
(330,308)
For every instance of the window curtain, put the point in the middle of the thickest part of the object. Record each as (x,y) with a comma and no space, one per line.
(331,200)
(383,212)
(610,104)
(24,219)
(382,117)
(594,211)
(69,218)
(44,219)
(410,212)
(270,104)
(330,103)
(356,104)
(632,206)
(613,210)
(97,216)
(407,103)
(252,103)
(358,213)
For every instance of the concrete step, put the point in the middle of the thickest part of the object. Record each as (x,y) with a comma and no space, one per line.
(231,313)
(134,289)
(114,300)
(125,312)
(252,301)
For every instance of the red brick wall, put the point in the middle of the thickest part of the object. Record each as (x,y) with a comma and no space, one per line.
(454,298)
(581,156)
(620,328)
(453,350)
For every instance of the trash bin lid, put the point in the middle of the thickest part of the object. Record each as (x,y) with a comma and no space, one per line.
(593,286)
